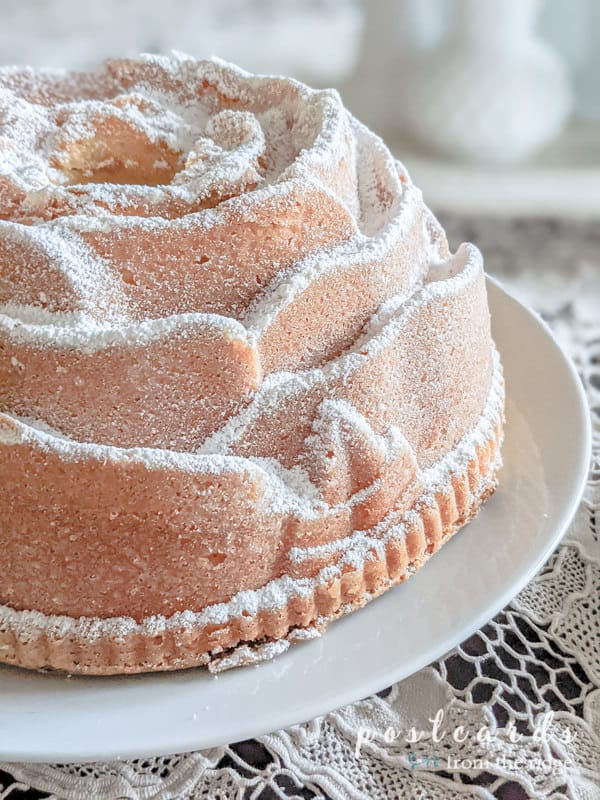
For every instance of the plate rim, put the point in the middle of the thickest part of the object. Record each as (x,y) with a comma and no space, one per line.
(368,685)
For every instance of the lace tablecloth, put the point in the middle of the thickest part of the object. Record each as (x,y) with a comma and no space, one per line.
(530,679)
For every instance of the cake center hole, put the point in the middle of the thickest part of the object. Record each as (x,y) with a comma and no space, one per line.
(123,141)
(129,159)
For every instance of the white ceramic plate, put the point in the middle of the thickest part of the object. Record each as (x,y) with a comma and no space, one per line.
(53,718)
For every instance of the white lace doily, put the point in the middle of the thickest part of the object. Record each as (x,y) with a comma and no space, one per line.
(533,671)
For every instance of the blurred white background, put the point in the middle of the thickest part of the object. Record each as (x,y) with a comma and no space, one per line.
(491,103)
(316,40)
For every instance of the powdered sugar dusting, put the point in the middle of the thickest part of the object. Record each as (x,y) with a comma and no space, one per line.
(381,331)
(277,593)
(246,654)
(215,130)
(289,488)
(216,280)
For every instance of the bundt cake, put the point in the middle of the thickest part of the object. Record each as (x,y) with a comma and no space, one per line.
(244,385)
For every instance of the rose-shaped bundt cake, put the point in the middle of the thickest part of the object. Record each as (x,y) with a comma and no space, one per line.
(244,386)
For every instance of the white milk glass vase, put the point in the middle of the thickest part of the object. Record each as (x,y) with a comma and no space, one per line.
(492,90)
(393,31)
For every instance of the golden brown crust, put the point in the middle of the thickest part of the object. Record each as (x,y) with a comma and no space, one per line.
(436,519)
